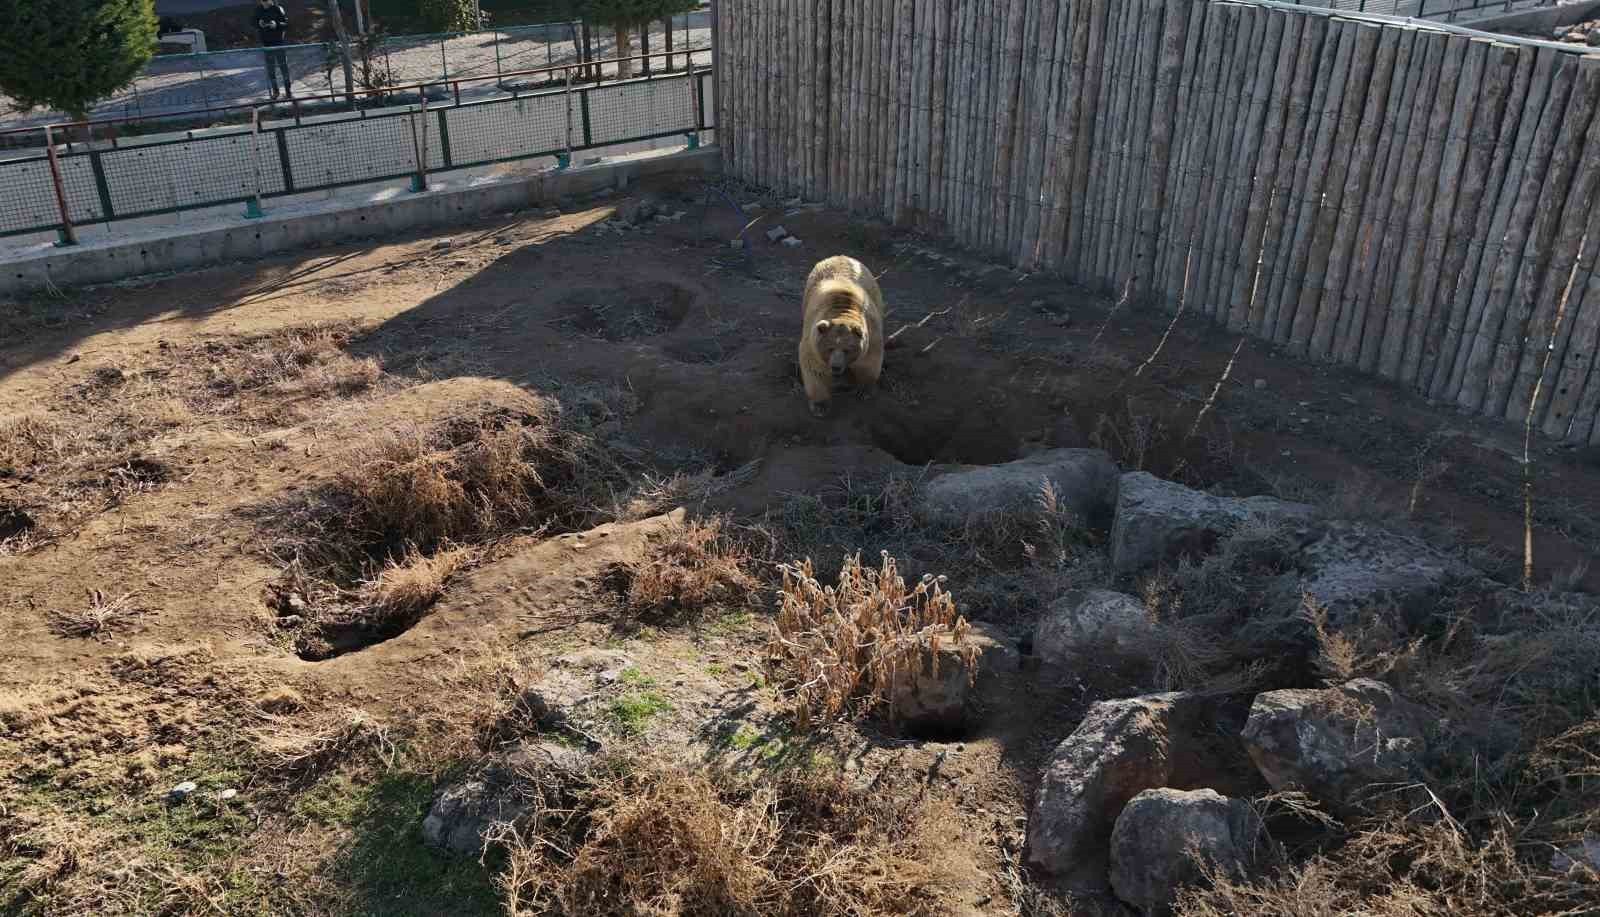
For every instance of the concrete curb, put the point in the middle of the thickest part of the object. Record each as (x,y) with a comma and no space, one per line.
(104,261)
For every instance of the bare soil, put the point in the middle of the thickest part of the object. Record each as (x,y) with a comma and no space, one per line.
(176,458)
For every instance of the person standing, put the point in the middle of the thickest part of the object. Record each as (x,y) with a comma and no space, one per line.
(272,25)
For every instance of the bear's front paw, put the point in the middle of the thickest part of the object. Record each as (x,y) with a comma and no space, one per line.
(866,391)
(819,409)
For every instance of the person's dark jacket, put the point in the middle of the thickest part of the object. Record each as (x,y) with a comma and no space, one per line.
(272,23)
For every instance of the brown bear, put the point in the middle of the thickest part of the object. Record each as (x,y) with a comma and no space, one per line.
(843,331)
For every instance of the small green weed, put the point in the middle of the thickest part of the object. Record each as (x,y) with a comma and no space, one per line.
(633,711)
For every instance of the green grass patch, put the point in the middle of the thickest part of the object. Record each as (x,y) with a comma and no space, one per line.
(633,711)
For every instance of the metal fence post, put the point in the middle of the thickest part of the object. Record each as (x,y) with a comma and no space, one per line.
(694,100)
(497,76)
(564,160)
(419,182)
(444,63)
(67,235)
(252,207)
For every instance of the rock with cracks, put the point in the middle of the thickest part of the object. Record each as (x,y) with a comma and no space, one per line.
(1158,521)
(1122,748)
(1165,839)
(1084,622)
(1353,568)
(1084,482)
(505,792)
(944,700)
(1340,745)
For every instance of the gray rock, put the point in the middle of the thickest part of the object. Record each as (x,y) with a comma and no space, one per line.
(1085,482)
(1158,521)
(1164,837)
(605,665)
(227,794)
(503,792)
(548,702)
(1120,749)
(1339,745)
(944,699)
(1593,38)
(182,791)
(791,242)
(1355,567)
(1583,855)
(1088,621)
(636,211)
(776,233)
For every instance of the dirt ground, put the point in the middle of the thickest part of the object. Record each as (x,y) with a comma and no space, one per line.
(676,352)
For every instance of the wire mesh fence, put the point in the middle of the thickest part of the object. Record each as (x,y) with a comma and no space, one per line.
(128,177)
(208,83)
(1446,10)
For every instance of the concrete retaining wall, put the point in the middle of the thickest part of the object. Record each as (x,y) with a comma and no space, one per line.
(107,260)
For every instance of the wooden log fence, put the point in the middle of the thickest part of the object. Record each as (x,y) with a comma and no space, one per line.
(1412,200)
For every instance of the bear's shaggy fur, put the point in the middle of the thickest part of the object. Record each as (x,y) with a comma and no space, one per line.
(843,331)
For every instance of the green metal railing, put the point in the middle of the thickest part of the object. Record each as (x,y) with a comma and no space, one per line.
(70,184)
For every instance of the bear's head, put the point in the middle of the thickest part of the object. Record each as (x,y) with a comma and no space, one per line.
(840,343)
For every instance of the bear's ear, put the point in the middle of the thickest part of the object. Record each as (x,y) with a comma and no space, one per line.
(823,326)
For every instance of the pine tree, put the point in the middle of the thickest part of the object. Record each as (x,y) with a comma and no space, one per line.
(69,54)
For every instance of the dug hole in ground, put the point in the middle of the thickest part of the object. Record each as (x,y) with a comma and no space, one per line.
(505,571)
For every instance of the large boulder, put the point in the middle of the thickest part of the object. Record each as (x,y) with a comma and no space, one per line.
(1339,745)
(1120,749)
(941,695)
(1165,839)
(1158,521)
(505,791)
(1355,568)
(1084,480)
(1084,622)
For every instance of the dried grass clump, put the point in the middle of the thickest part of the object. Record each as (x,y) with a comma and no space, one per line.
(303,749)
(456,481)
(308,359)
(697,567)
(1400,869)
(407,586)
(97,617)
(671,843)
(843,648)
(30,441)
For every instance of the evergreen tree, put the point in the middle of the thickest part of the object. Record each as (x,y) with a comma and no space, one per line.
(69,54)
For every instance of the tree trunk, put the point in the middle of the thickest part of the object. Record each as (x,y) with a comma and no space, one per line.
(337,19)
(624,51)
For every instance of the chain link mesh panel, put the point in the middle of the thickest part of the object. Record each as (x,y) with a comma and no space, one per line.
(491,131)
(193,173)
(164,173)
(641,109)
(28,201)
(336,153)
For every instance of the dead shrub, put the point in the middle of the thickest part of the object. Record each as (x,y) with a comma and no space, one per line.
(30,441)
(1400,869)
(407,586)
(97,617)
(841,649)
(456,481)
(673,843)
(696,567)
(301,749)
